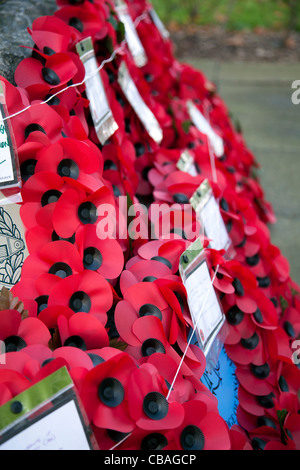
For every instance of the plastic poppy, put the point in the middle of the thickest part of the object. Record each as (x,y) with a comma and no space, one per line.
(34,292)
(86,292)
(12,383)
(72,159)
(17,333)
(78,208)
(85,19)
(202,430)
(82,331)
(40,78)
(147,401)
(103,256)
(40,194)
(60,258)
(104,393)
(146,299)
(51,34)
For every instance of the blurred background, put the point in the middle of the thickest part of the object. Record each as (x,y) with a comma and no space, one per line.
(251,50)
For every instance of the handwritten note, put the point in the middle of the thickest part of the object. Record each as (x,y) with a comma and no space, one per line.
(62,429)
(7,167)
(214,225)
(204,306)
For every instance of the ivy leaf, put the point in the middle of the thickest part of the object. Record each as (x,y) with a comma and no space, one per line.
(282,414)
(120,32)
(186,126)
(117,344)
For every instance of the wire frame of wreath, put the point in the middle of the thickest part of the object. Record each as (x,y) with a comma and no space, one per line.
(12,248)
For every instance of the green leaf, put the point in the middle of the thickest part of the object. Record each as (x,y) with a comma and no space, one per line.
(120,32)
(186,126)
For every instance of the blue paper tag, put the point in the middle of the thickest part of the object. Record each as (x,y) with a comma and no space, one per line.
(223,384)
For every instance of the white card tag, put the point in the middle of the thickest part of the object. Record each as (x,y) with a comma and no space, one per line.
(103,119)
(204,126)
(8,164)
(205,308)
(159,24)
(133,41)
(208,213)
(60,430)
(138,104)
(46,416)
(186,163)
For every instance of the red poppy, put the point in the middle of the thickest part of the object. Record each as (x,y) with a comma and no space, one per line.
(86,292)
(60,258)
(50,33)
(146,337)
(48,76)
(39,123)
(202,430)
(12,383)
(148,405)
(40,194)
(82,331)
(144,299)
(76,208)
(244,283)
(144,271)
(183,388)
(139,439)
(104,393)
(165,251)
(103,256)
(73,159)
(85,19)
(17,333)
(34,292)
(262,379)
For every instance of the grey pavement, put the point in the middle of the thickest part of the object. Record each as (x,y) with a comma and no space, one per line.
(259,95)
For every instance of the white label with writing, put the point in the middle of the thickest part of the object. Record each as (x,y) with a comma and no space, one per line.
(186,163)
(7,158)
(159,24)
(133,41)
(214,225)
(101,113)
(204,126)
(60,430)
(204,306)
(138,104)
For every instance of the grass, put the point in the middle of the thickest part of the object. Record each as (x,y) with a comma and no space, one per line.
(235,14)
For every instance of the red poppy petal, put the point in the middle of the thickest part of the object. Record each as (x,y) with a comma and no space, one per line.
(65,216)
(92,331)
(34,331)
(9,323)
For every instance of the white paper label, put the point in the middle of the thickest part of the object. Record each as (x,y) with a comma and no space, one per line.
(159,24)
(133,41)
(214,225)
(138,104)
(204,306)
(60,430)
(7,159)
(186,164)
(102,116)
(204,126)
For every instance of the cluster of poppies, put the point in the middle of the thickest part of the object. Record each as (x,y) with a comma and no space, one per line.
(114,310)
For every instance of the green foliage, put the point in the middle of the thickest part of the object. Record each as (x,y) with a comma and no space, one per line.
(233,14)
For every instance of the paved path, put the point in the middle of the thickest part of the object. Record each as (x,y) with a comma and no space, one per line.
(259,95)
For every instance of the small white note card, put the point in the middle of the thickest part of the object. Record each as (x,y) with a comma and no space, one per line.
(61,429)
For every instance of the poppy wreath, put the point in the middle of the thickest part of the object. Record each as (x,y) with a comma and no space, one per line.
(114,311)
